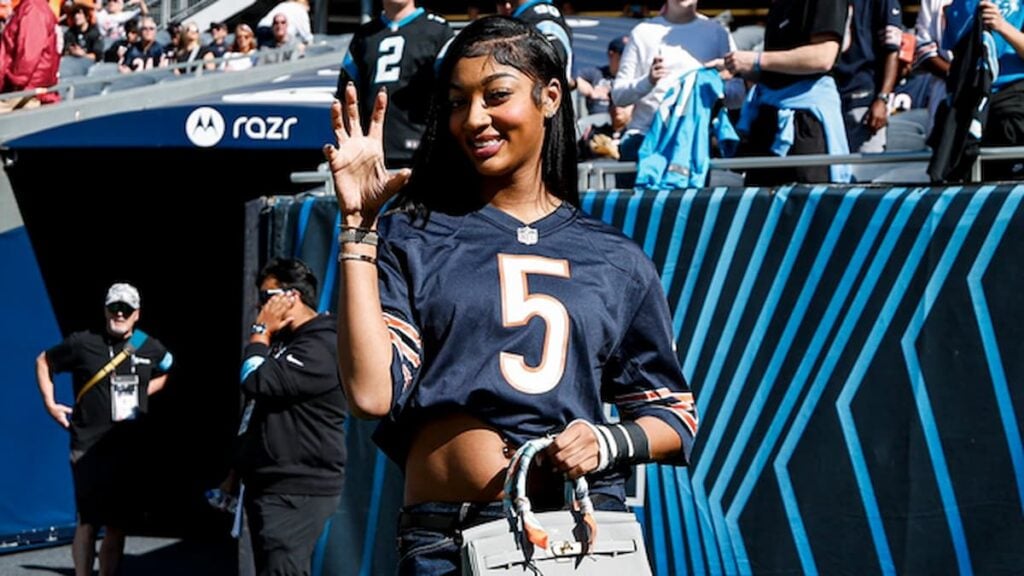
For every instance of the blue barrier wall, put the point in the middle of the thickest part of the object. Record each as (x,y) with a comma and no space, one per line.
(35,486)
(856,355)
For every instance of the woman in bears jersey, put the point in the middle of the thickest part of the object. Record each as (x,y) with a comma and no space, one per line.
(486,309)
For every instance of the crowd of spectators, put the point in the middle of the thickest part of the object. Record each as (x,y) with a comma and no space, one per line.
(75,36)
(813,77)
(809,78)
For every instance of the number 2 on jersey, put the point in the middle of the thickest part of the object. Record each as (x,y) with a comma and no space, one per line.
(518,306)
(389,59)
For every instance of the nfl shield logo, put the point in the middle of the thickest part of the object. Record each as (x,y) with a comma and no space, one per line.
(526,235)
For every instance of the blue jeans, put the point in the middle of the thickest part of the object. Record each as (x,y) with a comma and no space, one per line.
(432,550)
(430,534)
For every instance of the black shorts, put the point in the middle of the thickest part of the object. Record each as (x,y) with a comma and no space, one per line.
(106,482)
(808,138)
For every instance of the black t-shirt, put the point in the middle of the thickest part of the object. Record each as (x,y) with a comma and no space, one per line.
(85,353)
(90,41)
(792,23)
(399,56)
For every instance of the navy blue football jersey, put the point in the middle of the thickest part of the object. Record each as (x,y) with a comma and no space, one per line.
(875,29)
(401,57)
(524,327)
(912,92)
(545,17)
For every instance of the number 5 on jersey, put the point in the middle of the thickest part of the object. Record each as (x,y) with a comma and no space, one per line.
(518,306)
(389,59)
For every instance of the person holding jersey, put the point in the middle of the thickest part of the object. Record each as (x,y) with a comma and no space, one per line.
(486,309)
(397,52)
(795,108)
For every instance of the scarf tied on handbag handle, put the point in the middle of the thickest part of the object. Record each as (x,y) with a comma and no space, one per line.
(523,522)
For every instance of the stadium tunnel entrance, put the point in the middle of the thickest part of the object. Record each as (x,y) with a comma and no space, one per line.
(170,221)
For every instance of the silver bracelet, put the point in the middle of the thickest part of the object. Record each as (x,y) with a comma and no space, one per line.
(358,236)
(342,256)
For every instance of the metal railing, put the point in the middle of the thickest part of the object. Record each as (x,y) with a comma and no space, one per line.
(66,88)
(592,175)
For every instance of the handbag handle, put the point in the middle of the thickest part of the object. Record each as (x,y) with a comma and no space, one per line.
(523,521)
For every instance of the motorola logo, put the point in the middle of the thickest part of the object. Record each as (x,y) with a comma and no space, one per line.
(204,127)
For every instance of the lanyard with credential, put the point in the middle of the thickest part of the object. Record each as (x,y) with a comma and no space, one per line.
(134,343)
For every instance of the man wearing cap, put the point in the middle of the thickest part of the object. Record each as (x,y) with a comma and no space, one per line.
(595,83)
(218,45)
(113,373)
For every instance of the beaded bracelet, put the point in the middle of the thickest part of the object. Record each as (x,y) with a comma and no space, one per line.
(353,235)
(342,256)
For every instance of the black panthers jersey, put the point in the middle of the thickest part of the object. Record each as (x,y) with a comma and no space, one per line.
(545,17)
(399,56)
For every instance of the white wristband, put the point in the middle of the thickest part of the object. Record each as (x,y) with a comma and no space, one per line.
(603,457)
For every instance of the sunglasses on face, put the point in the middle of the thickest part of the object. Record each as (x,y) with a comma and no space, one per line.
(280,22)
(266,295)
(120,308)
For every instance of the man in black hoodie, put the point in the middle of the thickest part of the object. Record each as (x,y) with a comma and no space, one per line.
(292,453)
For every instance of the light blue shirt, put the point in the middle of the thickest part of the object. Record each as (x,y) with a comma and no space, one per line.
(818,96)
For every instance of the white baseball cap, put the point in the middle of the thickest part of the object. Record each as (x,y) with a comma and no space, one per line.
(122,292)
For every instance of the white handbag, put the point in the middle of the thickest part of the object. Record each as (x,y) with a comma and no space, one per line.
(576,541)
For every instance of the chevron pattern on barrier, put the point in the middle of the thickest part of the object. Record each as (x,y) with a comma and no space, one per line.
(857,356)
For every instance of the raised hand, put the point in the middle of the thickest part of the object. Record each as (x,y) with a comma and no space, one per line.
(277,313)
(361,180)
(991,17)
(658,70)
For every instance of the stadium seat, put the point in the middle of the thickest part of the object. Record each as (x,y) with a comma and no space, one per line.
(85,87)
(168,75)
(101,69)
(71,66)
(591,120)
(129,81)
(317,49)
